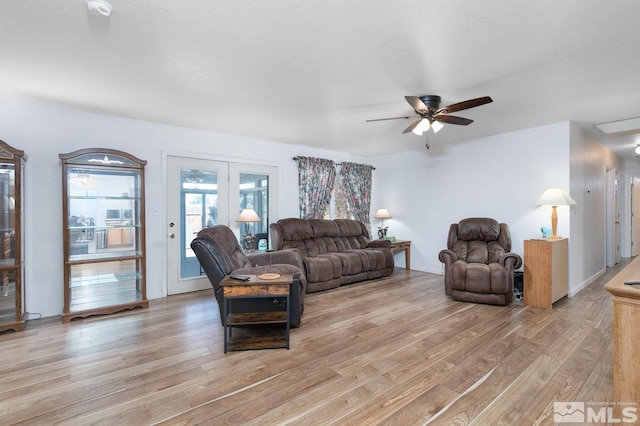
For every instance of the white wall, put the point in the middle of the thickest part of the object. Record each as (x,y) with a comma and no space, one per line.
(589,163)
(500,176)
(43,132)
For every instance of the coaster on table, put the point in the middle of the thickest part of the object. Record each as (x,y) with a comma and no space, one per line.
(269,276)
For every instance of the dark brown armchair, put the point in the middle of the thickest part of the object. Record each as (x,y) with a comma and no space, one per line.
(478,263)
(219,254)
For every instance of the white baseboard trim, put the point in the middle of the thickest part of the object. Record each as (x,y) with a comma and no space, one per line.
(585,283)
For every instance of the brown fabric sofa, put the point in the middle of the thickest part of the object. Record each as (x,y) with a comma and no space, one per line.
(478,263)
(335,252)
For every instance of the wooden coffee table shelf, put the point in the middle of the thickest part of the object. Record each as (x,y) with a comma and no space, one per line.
(262,341)
(272,328)
(257,318)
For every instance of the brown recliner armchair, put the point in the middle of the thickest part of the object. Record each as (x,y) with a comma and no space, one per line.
(219,254)
(478,263)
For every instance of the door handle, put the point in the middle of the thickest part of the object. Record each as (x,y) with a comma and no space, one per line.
(172,235)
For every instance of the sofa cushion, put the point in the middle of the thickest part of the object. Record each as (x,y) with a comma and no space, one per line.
(477,252)
(324,227)
(295,229)
(324,267)
(484,229)
(472,277)
(351,228)
(379,258)
(353,234)
(366,258)
(351,262)
(322,245)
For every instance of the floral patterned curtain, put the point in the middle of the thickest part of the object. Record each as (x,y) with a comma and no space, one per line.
(316,177)
(356,185)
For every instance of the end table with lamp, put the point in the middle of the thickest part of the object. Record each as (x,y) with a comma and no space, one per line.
(396,245)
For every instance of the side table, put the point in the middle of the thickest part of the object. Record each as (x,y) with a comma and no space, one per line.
(400,245)
(546,276)
(256,288)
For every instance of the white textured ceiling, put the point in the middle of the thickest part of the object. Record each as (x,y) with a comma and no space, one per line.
(311,72)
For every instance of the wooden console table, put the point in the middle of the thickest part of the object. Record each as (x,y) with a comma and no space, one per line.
(626,333)
(400,245)
(256,288)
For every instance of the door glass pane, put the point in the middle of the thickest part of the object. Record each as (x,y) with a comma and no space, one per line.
(96,285)
(7,296)
(199,206)
(254,194)
(7,243)
(104,210)
(7,214)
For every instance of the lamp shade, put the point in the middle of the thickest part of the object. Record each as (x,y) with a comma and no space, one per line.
(382,214)
(248,215)
(422,127)
(555,197)
(436,126)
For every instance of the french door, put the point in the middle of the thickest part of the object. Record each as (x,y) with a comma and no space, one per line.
(202,193)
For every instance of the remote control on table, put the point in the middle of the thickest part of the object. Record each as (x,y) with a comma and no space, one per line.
(241,277)
(632,282)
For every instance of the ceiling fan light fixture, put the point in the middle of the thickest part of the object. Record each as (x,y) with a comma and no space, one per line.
(99,7)
(431,115)
(638,149)
(422,127)
(436,126)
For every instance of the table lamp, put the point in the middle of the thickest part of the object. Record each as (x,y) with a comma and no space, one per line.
(382,214)
(555,197)
(247,216)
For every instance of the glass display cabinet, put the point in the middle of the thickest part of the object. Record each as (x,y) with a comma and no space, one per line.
(12,315)
(104,232)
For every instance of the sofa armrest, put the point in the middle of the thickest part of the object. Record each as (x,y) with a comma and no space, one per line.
(511,261)
(289,257)
(447,256)
(379,244)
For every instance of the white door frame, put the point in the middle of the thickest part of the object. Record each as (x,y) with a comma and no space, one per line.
(238,165)
(174,237)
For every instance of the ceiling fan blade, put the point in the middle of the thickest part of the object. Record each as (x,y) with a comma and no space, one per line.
(452,119)
(416,103)
(471,103)
(393,118)
(413,126)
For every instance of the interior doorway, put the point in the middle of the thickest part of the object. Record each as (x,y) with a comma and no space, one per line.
(613,217)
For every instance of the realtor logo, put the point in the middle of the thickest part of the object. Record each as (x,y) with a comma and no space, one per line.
(606,412)
(568,412)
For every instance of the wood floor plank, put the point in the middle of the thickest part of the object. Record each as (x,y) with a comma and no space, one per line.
(385,352)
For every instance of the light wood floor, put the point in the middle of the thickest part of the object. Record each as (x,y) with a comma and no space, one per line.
(394,351)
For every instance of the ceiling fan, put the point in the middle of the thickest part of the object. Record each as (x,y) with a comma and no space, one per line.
(431,115)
